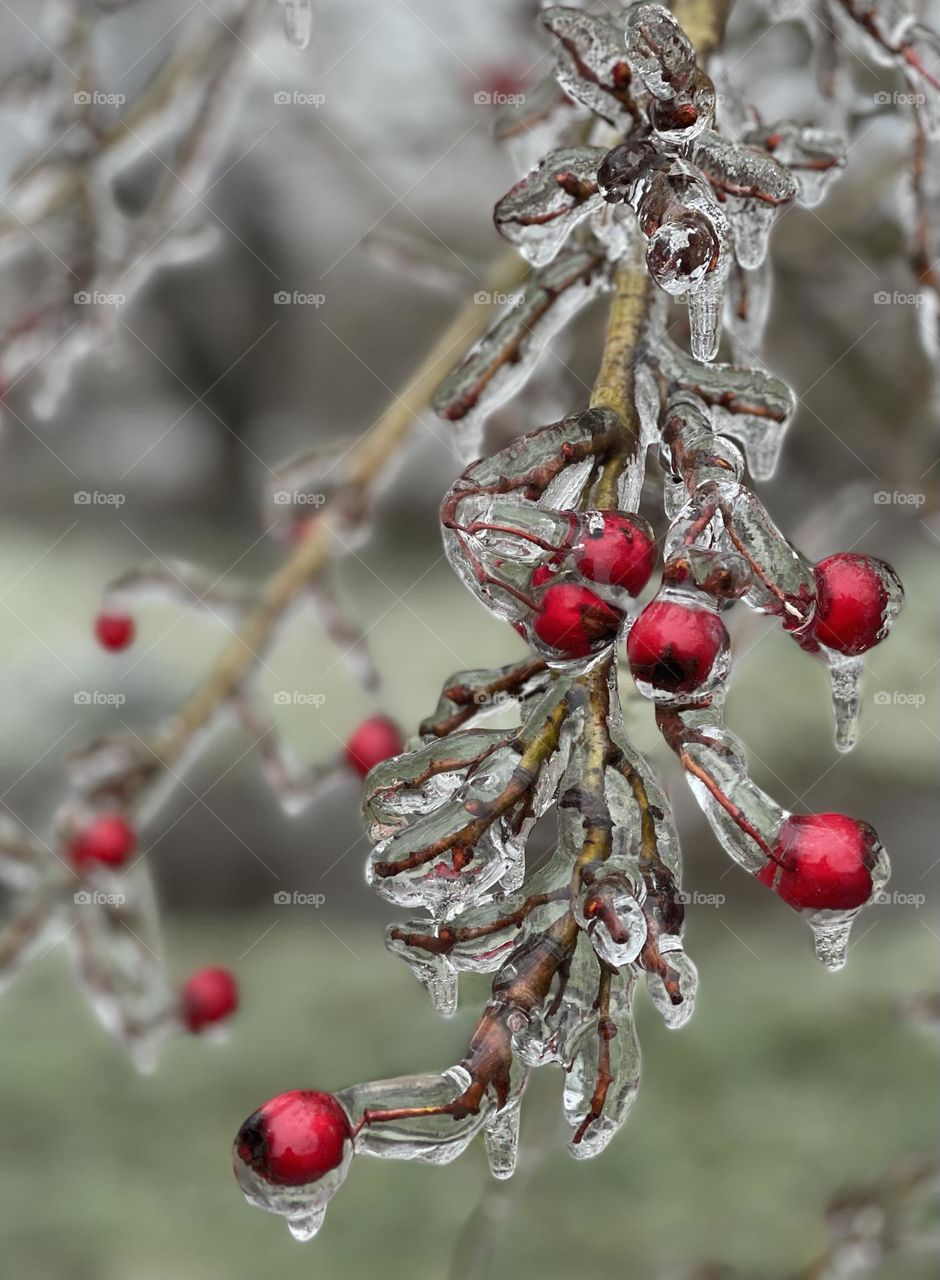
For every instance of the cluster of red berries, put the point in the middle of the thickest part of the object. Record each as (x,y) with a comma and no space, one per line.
(608,549)
(822,862)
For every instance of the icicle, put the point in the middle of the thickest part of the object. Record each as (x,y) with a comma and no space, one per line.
(501,1137)
(298,27)
(845,674)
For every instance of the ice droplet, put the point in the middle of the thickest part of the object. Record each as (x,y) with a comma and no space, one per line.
(305,1227)
(705,305)
(298,27)
(831,941)
(845,674)
(501,1138)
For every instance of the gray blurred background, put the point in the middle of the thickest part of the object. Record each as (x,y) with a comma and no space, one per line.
(789,1082)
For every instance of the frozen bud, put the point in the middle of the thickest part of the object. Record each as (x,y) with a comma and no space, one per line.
(676,648)
(609,910)
(625,170)
(822,862)
(659,50)
(858,599)
(682,252)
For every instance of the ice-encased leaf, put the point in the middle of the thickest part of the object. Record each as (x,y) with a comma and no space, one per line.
(596,1107)
(659,50)
(753,187)
(502,361)
(543,208)
(814,156)
(115,948)
(592,66)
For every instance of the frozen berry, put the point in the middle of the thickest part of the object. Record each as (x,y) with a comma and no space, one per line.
(674,647)
(295,1138)
(857,600)
(822,861)
(115,631)
(207,997)
(108,839)
(615,549)
(574,620)
(376,739)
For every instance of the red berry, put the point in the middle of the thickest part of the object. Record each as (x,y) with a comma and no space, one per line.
(573,619)
(295,1138)
(541,575)
(376,739)
(115,631)
(674,647)
(616,549)
(856,602)
(108,839)
(822,861)
(208,996)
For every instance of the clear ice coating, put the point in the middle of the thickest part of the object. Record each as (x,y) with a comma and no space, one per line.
(543,208)
(298,21)
(504,359)
(753,186)
(592,67)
